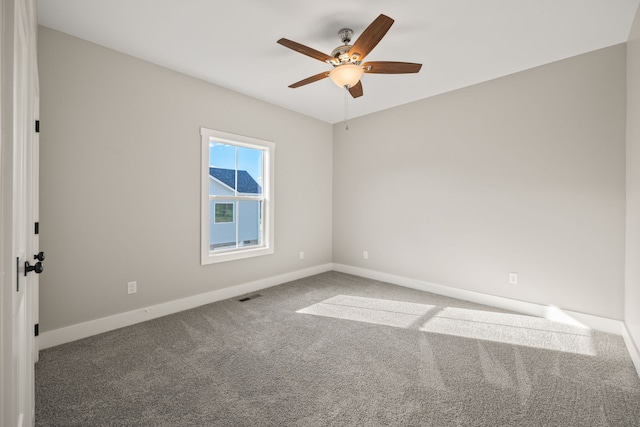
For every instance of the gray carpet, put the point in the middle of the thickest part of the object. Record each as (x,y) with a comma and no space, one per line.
(340,350)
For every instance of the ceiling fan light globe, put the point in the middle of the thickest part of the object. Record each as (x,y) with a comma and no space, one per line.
(346,75)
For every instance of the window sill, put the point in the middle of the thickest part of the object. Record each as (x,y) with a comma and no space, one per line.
(216,257)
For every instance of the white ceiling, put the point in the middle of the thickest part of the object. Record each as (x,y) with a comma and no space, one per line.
(233,43)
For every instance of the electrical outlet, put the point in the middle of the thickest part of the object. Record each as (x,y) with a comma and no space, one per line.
(301,254)
(132,287)
(365,255)
(513,278)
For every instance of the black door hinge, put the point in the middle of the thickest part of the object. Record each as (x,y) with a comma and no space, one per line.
(38,126)
(36,329)
(36,228)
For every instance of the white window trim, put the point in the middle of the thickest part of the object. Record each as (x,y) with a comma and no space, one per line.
(206,255)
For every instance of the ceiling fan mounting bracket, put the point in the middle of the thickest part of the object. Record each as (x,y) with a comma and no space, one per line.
(345,35)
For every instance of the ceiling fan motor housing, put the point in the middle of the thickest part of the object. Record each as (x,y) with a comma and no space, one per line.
(341,53)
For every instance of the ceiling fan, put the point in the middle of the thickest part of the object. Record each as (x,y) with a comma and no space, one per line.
(347,59)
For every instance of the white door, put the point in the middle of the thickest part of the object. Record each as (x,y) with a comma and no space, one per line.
(19,161)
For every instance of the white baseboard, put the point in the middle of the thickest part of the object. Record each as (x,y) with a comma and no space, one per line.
(633,349)
(548,312)
(105,324)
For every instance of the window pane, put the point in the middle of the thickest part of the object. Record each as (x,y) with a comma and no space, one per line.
(249,223)
(249,170)
(222,165)
(225,234)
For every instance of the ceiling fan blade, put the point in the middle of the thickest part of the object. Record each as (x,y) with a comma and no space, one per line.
(311,79)
(370,37)
(356,91)
(306,50)
(391,67)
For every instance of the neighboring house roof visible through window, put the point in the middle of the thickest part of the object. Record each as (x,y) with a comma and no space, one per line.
(246,183)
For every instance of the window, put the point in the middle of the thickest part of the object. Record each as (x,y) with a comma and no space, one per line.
(237,197)
(223,212)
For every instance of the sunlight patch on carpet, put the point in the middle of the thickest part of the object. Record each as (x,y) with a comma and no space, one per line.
(504,328)
(511,329)
(370,310)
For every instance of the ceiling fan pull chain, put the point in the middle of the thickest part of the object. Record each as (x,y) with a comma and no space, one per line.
(346,107)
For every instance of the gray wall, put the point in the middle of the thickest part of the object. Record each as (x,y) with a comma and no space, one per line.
(522,174)
(632,279)
(525,173)
(120,182)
